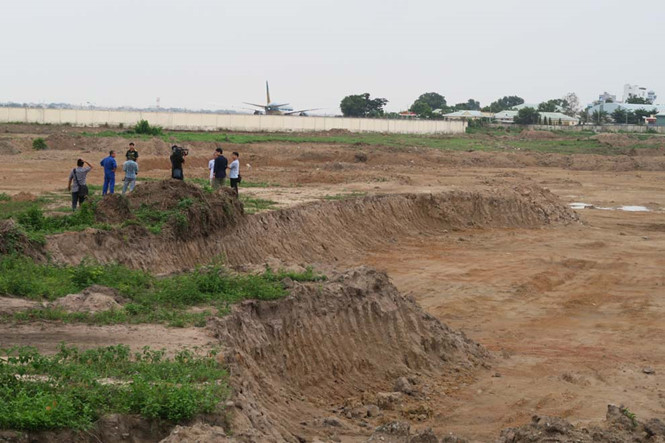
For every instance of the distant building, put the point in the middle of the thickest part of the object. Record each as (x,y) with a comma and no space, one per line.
(636,91)
(557,118)
(611,107)
(467,115)
(606,97)
(660,119)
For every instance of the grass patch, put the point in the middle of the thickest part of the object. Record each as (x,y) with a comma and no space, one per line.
(253,205)
(151,299)
(4,197)
(74,388)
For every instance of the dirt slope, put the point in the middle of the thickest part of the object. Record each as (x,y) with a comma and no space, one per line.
(293,359)
(317,232)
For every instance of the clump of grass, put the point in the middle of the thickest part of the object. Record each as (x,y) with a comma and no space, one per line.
(4,197)
(253,205)
(143,127)
(39,144)
(73,388)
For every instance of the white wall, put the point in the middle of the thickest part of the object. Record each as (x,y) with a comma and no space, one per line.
(231,122)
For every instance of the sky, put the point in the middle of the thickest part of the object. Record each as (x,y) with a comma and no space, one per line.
(204,54)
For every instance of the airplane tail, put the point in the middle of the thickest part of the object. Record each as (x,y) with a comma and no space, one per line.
(267,93)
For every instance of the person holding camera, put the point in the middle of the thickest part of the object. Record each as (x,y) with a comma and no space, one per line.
(177,160)
(76,184)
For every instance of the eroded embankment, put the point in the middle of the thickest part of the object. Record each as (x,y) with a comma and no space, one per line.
(322,232)
(293,360)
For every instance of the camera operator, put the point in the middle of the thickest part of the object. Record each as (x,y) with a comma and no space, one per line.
(178,155)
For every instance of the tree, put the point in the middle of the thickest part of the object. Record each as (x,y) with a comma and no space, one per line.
(638,100)
(621,115)
(421,109)
(470,105)
(553,105)
(506,102)
(431,99)
(599,117)
(362,106)
(572,104)
(641,113)
(526,116)
(584,116)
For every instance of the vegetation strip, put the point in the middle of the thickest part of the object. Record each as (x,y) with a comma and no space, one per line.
(74,388)
(151,299)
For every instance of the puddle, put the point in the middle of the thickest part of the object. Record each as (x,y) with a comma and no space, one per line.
(580,205)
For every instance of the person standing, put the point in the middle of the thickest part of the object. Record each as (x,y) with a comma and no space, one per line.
(110,166)
(234,172)
(211,167)
(131,169)
(76,184)
(132,154)
(177,160)
(221,164)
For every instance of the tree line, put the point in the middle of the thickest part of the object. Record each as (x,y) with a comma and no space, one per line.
(432,105)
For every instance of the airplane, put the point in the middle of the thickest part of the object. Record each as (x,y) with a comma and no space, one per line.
(271,108)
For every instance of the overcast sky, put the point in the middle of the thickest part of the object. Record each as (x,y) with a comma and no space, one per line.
(217,54)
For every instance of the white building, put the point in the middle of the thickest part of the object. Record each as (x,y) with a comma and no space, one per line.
(638,92)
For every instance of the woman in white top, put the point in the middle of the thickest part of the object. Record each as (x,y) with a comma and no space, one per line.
(211,167)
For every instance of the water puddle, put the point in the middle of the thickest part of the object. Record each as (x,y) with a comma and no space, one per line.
(580,205)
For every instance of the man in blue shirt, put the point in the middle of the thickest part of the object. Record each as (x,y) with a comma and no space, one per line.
(110,166)
(219,169)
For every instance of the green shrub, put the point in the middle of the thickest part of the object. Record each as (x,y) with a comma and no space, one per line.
(4,197)
(39,144)
(65,390)
(143,127)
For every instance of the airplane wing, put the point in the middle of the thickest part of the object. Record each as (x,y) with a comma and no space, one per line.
(253,104)
(301,110)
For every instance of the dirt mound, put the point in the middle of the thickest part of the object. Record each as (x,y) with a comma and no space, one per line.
(291,360)
(615,140)
(165,194)
(620,426)
(14,240)
(93,299)
(24,197)
(537,135)
(113,208)
(8,147)
(321,232)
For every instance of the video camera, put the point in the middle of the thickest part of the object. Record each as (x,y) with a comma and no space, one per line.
(179,150)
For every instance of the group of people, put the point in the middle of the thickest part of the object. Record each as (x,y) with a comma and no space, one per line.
(217,166)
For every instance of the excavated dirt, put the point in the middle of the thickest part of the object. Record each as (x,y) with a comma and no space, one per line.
(292,360)
(311,233)
(618,427)
(93,299)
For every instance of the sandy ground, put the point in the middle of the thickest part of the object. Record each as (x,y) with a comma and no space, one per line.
(573,313)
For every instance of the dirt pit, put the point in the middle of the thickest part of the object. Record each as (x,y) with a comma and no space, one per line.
(571,311)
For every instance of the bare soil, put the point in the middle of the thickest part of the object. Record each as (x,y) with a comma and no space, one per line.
(570,310)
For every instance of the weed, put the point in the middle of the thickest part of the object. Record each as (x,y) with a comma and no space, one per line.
(4,197)
(71,389)
(143,127)
(253,205)
(633,418)
(39,144)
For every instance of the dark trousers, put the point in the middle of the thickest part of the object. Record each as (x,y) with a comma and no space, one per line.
(234,184)
(218,182)
(76,198)
(109,184)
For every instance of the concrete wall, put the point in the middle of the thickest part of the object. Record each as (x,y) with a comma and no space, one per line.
(231,122)
(594,128)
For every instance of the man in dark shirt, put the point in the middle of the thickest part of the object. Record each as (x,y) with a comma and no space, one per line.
(132,154)
(221,163)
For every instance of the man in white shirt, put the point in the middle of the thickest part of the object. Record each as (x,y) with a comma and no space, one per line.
(211,167)
(234,171)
